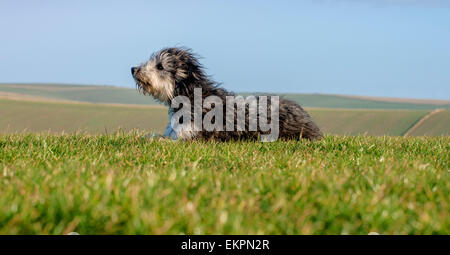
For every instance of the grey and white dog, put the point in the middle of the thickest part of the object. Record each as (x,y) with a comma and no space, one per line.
(174,72)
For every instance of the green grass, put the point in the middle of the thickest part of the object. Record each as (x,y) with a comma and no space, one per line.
(122,184)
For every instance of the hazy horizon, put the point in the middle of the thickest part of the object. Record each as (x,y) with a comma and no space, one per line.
(395,48)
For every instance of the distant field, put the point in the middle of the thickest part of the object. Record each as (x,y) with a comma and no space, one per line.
(118,95)
(24,116)
(69,108)
(122,184)
(370,122)
(92,94)
(438,124)
(333,101)
(19,116)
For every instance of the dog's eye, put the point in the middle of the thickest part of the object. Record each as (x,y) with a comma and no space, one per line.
(159,66)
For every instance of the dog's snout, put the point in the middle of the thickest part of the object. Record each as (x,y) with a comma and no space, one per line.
(133,70)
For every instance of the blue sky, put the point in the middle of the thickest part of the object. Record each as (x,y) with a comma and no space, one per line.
(396,48)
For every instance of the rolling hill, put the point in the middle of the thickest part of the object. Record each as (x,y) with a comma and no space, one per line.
(100,109)
(436,124)
(365,121)
(59,116)
(120,95)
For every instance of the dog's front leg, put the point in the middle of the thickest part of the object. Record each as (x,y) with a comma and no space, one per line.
(170,133)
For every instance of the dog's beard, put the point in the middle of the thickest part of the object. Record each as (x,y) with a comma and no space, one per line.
(162,91)
(139,87)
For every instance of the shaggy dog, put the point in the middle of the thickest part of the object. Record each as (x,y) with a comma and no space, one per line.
(174,72)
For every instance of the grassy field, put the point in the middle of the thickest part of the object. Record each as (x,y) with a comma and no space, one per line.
(29,116)
(94,180)
(120,95)
(123,184)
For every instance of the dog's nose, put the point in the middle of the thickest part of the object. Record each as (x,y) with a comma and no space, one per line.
(133,70)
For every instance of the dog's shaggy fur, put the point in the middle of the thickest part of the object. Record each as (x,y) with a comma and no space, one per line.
(175,72)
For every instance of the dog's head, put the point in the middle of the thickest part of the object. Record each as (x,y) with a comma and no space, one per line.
(164,71)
